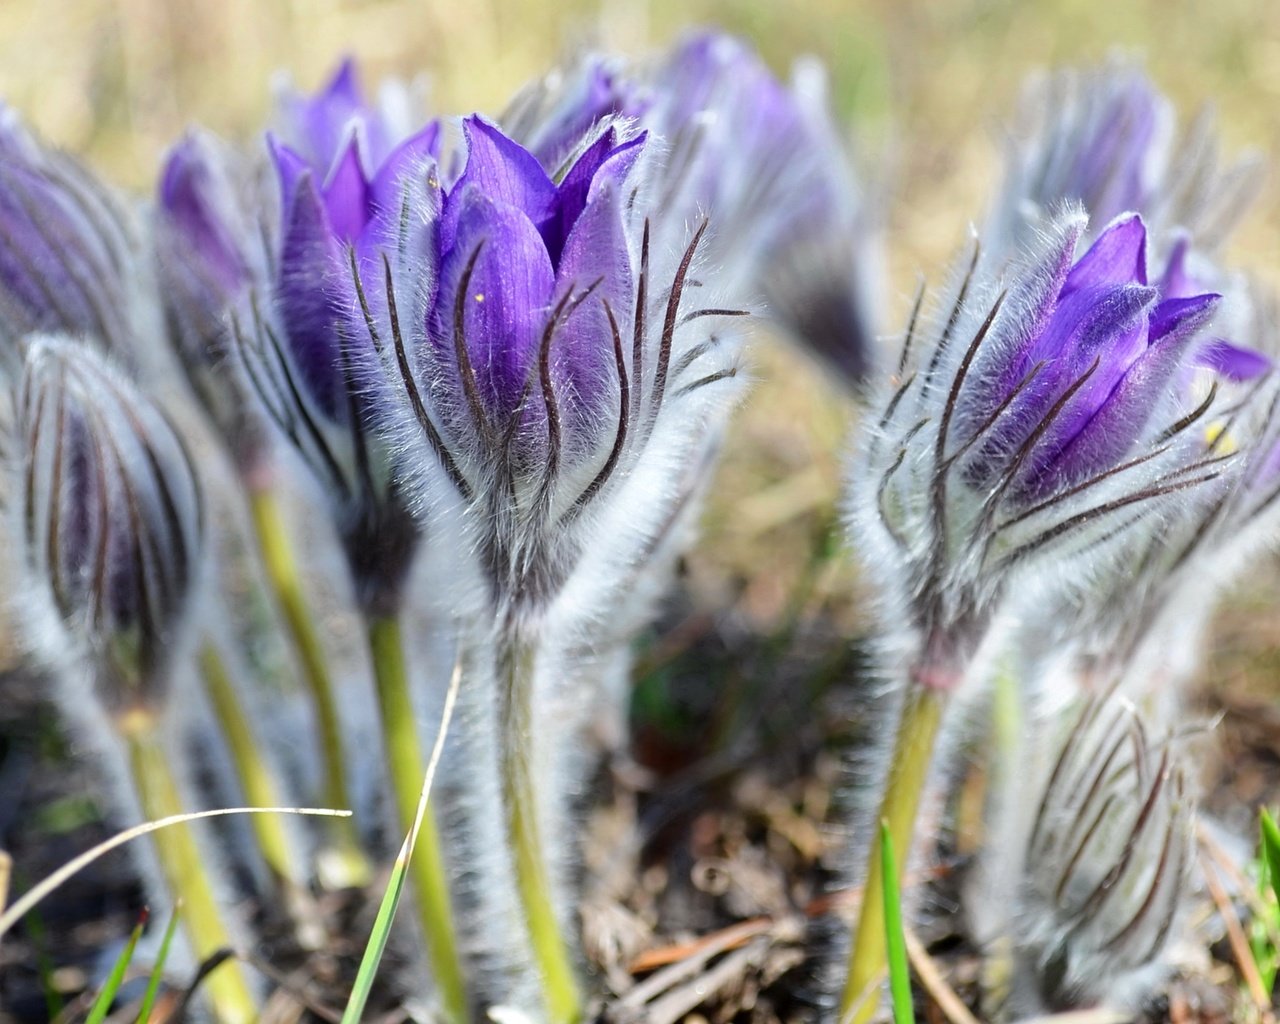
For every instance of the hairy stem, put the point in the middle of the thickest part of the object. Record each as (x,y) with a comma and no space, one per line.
(227,986)
(908,770)
(255,775)
(407,767)
(282,569)
(559,985)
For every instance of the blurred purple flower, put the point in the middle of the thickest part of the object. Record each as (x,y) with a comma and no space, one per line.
(67,249)
(111,523)
(761,160)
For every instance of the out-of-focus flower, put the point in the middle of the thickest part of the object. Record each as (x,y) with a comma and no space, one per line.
(1041,422)
(108,508)
(1104,874)
(70,256)
(763,161)
(264,272)
(1106,138)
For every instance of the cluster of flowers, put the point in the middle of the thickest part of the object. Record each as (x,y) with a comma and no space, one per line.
(482,367)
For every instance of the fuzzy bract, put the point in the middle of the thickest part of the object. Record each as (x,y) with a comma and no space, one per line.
(1106,138)
(107,507)
(1105,874)
(1037,426)
(547,348)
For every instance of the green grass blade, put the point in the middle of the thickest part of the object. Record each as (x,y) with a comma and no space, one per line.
(101,1005)
(1271,849)
(895,940)
(157,971)
(377,944)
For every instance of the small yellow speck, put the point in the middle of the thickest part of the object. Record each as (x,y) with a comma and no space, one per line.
(479,296)
(1218,439)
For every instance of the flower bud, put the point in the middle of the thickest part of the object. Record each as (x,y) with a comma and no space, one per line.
(110,520)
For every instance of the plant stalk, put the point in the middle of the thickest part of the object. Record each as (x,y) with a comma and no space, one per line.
(256,777)
(282,570)
(533,881)
(908,770)
(407,768)
(227,987)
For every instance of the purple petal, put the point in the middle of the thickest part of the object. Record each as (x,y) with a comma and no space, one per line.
(596,255)
(312,293)
(603,160)
(1118,256)
(506,172)
(1234,362)
(346,193)
(290,169)
(505,306)
(1181,314)
(415,153)
(1177,282)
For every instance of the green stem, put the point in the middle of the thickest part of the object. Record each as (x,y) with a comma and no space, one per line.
(407,768)
(282,570)
(255,776)
(560,987)
(228,989)
(912,755)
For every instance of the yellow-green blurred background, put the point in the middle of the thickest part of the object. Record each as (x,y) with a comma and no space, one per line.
(928,81)
(925,84)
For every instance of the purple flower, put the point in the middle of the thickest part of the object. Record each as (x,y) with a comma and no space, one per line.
(264,273)
(110,518)
(553,347)
(761,160)
(1042,422)
(66,248)
(1107,139)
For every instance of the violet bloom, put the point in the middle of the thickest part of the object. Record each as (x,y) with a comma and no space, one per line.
(68,252)
(761,160)
(1040,423)
(279,296)
(1108,139)
(109,520)
(556,353)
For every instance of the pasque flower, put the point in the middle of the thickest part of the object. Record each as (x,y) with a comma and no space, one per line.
(1100,874)
(1036,424)
(71,259)
(109,512)
(1039,427)
(1107,138)
(762,160)
(554,351)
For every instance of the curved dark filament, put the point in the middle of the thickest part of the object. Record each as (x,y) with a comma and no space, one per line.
(908,339)
(58,244)
(1024,451)
(939,484)
(1157,880)
(1086,517)
(1107,883)
(882,489)
(620,437)
(463,356)
(698,314)
(728,373)
(944,341)
(53,552)
(442,453)
(637,340)
(669,322)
